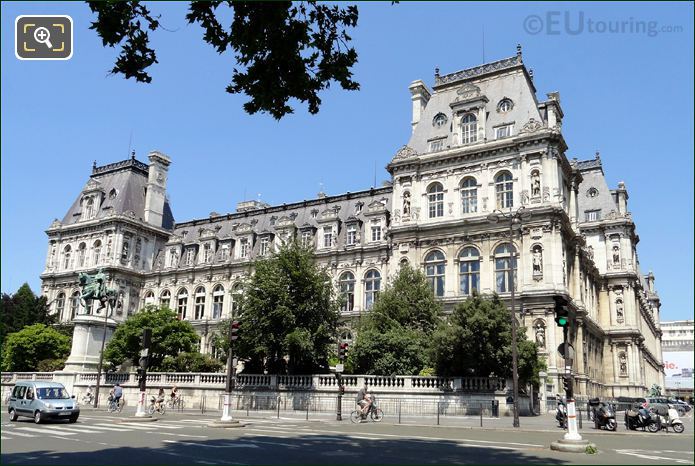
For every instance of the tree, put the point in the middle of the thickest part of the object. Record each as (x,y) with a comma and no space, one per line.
(170,336)
(288,316)
(21,309)
(476,339)
(391,338)
(190,362)
(283,50)
(23,350)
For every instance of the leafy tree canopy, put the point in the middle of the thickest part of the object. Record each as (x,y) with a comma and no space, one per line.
(170,336)
(21,309)
(23,350)
(288,316)
(283,50)
(190,362)
(392,337)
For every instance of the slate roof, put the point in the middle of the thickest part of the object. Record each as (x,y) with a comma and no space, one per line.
(592,172)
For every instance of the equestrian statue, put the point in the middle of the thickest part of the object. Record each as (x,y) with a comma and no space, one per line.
(94,288)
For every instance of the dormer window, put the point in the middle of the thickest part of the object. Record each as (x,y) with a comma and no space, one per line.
(207,253)
(376,232)
(327,237)
(351,238)
(89,209)
(243,248)
(439,120)
(503,131)
(190,256)
(505,105)
(436,146)
(265,245)
(469,129)
(306,238)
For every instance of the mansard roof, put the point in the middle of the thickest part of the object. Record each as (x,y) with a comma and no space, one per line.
(122,186)
(593,177)
(303,215)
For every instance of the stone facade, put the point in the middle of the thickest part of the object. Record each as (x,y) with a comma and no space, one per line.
(481,140)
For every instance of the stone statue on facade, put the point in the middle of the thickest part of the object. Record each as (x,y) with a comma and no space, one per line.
(537,260)
(623,364)
(406,204)
(535,185)
(540,335)
(620,315)
(94,288)
(616,255)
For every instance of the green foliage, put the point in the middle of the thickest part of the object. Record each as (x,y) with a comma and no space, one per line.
(305,44)
(590,450)
(50,365)
(170,336)
(21,309)
(190,362)
(23,350)
(289,315)
(392,336)
(427,372)
(476,340)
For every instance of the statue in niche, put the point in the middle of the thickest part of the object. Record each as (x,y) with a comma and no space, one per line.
(406,204)
(535,184)
(619,312)
(174,258)
(623,364)
(537,260)
(616,254)
(540,335)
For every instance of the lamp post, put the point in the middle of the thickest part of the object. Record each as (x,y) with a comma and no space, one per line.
(514,218)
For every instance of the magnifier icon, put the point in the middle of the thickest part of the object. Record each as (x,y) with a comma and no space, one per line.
(42,35)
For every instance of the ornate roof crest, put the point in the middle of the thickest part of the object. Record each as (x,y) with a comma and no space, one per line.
(405,152)
(531,126)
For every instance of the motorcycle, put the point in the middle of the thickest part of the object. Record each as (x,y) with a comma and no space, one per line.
(671,420)
(604,417)
(638,416)
(561,415)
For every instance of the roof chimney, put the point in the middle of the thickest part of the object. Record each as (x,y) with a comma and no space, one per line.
(420,96)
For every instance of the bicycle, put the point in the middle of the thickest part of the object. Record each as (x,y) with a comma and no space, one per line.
(156,407)
(115,407)
(175,403)
(375,413)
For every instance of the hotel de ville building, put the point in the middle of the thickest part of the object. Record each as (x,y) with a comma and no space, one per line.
(482,139)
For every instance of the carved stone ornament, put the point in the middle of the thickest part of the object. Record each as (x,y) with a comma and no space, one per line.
(467,91)
(56,223)
(405,152)
(531,126)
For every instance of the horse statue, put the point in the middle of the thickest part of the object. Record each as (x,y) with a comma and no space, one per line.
(94,288)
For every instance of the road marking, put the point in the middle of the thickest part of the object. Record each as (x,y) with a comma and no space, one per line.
(651,457)
(205,445)
(110,428)
(4,438)
(45,431)
(130,425)
(14,432)
(81,430)
(267,442)
(179,435)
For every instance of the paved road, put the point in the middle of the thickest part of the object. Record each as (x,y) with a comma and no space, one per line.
(98,438)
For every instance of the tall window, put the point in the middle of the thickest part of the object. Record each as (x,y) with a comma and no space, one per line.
(351,237)
(190,256)
(96,252)
(504,189)
(74,304)
(505,268)
(372,286)
(327,237)
(81,254)
(435,200)
(469,271)
(434,270)
(224,253)
(199,303)
(149,298)
(60,305)
(165,299)
(182,303)
(469,129)
(66,257)
(89,209)
(347,290)
(376,232)
(243,248)
(207,253)
(217,301)
(306,238)
(469,196)
(265,244)
(236,300)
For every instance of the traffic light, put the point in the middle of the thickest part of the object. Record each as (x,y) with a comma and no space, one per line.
(235,330)
(342,389)
(140,372)
(342,351)
(562,315)
(567,383)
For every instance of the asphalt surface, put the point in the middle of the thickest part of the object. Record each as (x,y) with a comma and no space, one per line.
(98,438)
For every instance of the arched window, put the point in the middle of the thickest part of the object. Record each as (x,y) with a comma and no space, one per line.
(199,303)
(372,286)
(469,196)
(74,304)
(435,200)
(182,303)
(165,299)
(60,305)
(81,254)
(149,298)
(434,270)
(504,190)
(96,252)
(89,208)
(347,290)
(469,129)
(66,257)
(505,268)
(217,301)
(505,105)
(237,295)
(469,271)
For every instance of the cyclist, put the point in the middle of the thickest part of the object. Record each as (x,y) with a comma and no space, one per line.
(117,393)
(160,398)
(364,400)
(174,394)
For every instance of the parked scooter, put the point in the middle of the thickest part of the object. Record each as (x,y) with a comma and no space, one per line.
(604,417)
(671,420)
(638,417)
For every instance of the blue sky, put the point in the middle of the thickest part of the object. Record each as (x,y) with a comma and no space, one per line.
(628,94)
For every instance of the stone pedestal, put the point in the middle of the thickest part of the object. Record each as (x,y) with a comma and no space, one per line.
(86,342)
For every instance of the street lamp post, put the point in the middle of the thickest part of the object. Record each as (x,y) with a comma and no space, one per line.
(514,218)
